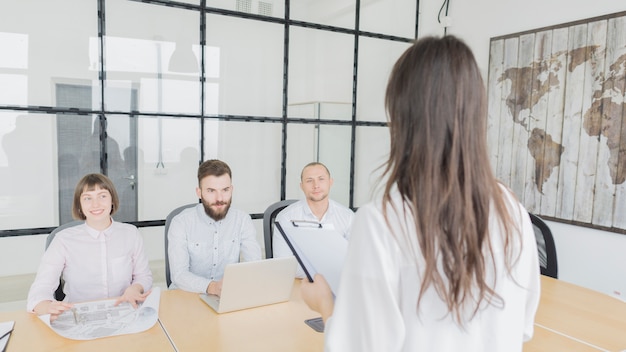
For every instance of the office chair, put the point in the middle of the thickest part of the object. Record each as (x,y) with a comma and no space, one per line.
(58,293)
(168,221)
(546,247)
(268,223)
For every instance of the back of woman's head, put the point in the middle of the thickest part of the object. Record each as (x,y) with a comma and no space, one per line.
(438,161)
(436,104)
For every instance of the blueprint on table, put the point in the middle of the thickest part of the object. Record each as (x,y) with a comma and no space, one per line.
(92,320)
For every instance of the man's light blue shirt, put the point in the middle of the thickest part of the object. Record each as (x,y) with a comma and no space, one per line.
(199,248)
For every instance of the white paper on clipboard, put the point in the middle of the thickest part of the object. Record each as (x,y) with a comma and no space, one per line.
(318,249)
(6,327)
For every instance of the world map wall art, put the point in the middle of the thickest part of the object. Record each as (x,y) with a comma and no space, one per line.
(557,120)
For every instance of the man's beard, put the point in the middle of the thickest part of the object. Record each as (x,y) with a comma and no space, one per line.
(318,198)
(217,216)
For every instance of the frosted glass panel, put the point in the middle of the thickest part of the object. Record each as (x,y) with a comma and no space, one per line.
(322,111)
(270,8)
(372,151)
(168,102)
(167,163)
(48,45)
(244,67)
(395,17)
(337,13)
(28,170)
(253,152)
(376,60)
(320,67)
(327,144)
(158,59)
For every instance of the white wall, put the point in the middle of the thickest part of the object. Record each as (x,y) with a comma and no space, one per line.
(587,257)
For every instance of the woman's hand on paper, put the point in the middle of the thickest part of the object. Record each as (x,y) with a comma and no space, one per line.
(134,295)
(318,296)
(54,308)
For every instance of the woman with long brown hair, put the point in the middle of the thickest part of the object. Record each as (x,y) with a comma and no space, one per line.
(446,259)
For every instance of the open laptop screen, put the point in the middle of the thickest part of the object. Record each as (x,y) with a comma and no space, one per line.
(254,284)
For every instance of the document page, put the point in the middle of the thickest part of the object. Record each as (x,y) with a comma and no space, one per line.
(321,250)
(92,320)
(6,327)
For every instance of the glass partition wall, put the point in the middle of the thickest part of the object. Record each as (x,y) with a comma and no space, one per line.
(143,91)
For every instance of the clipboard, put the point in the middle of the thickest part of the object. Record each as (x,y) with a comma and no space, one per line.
(5,333)
(318,249)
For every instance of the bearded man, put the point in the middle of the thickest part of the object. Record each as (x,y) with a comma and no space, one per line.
(203,239)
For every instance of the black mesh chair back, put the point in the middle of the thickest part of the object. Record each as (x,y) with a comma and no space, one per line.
(546,247)
(268,223)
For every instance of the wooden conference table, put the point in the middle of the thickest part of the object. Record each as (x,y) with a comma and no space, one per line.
(570,318)
(574,318)
(193,326)
(32,335)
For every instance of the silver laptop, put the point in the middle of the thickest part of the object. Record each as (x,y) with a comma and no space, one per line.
(254,284)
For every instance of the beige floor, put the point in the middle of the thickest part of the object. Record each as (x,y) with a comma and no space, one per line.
(14,289)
